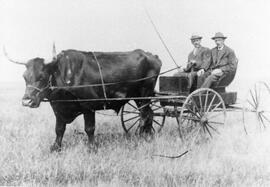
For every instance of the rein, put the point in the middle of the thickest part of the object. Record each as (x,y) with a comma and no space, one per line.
(49,85)
(110,83)
(101,76)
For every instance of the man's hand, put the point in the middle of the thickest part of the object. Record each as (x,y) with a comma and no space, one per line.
(217,72)
(200,72)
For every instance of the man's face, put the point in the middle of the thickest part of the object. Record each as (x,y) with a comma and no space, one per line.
(219,42)
(196,42)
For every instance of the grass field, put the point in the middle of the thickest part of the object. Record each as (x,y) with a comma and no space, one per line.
(233,158)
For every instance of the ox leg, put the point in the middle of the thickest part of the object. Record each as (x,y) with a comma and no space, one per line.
(146,118)
(60,128)
(89,126)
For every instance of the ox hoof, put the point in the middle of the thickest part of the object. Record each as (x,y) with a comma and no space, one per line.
(92,147)
(55,148)
(147,137)
(147,133)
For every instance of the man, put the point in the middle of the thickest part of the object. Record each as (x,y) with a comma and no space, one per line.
(198,61)
(223,63)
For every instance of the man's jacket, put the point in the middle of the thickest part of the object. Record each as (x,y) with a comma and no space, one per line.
(224,59)
(202,60)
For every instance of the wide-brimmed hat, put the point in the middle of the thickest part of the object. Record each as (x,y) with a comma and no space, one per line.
(219,35)
(193,37)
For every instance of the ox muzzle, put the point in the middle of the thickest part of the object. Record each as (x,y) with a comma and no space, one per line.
(34,95)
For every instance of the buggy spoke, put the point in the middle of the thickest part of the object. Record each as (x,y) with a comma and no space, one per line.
(157,123)
(203,127)
(191,118)
(210,105)
(251,103)
(133,124)
(216,106)
(156,109)
(132,105)
(213,128)
(255,103)
(265,117)
(215,122)
(196,106)
(131,112)
(208,131)
(195,114)
(156,105)
(261,120)
(200,99)
(256,94)
(206,99)
(143,106)
(132,118)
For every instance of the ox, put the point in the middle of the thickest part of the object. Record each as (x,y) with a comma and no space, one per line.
(77,68)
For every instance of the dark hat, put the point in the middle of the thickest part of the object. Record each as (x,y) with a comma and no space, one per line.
(193,37)
(219,35)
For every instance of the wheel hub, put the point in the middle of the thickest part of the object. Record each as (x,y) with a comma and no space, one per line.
(204,120)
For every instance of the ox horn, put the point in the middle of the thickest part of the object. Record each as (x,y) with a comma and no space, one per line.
(16,62)
(54,51)
(47,61)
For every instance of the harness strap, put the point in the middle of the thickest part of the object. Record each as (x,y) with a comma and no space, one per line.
(34,87)
(101,76)
(49,85)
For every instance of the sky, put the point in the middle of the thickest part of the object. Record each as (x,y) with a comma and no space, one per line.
(28,29)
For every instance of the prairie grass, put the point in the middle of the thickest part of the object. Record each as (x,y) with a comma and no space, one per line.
(232,158)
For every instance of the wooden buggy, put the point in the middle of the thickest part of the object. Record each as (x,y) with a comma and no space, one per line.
(199,112)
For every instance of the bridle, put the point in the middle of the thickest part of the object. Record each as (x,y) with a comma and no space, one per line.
(41,90)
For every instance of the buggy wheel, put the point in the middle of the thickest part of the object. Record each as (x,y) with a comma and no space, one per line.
(130,117)
(258,101)
(203,112)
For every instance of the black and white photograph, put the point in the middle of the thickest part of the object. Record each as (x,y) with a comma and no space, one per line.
(134,93)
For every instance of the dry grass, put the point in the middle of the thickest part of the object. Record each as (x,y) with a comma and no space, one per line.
(230,159)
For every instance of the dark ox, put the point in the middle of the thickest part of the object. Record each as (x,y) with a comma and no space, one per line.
(75,68)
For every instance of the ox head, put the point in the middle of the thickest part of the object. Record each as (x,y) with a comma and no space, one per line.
(37,78)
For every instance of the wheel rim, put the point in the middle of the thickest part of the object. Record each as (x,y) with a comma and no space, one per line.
(258,101)
(130,117)
(203,112)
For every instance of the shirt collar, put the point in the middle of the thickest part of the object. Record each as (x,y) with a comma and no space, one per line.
(220,48)
(195,48)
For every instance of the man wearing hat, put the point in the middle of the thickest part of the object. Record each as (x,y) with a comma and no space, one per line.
(198,61)
(223,62)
